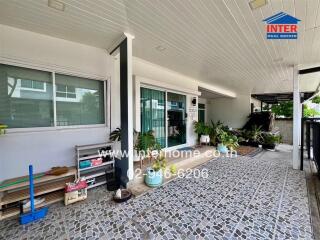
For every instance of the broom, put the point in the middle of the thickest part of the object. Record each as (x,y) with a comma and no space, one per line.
(34,214)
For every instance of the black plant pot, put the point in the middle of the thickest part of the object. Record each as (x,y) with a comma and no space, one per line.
(249,143)
(269,146)
(254,144)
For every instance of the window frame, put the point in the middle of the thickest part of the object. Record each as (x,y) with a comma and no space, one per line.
(53,72)
(33,89)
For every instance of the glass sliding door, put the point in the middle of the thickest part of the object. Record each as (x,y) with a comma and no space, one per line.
(176,110)
(152,103)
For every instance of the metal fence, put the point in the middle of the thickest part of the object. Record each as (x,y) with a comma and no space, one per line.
(310,137)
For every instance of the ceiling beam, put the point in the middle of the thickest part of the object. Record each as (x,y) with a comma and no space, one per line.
(309,70)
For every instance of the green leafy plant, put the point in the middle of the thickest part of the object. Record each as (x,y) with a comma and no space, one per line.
(270,139)
(232,142)
(115,135)
(256,134)
(146,141)
(199,128)
(3,128)
(173,169)
(214,131)
(316,100)
(228,139)
(160,162)
(309,112)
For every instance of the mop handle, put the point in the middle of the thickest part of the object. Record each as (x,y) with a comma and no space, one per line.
(31,187)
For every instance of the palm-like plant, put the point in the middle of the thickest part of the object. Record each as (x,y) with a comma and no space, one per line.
(256,134)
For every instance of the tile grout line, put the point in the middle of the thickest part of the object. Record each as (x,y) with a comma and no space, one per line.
(254,195)
(280,204)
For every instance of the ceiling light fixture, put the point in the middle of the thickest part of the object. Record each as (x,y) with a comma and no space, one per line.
(257,4)
(55,4)
(160,48)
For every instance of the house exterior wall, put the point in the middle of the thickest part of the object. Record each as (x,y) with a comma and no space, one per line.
(48,148)
(55,146)
(233,112)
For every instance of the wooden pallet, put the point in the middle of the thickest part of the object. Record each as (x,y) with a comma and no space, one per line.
(50,198)
(49,187)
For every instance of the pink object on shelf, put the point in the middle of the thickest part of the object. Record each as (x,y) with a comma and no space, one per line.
(96,162)
(70,187)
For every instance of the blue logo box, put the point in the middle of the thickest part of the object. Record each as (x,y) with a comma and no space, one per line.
(282,35)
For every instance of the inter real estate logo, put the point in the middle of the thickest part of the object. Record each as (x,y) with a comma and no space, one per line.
(282,26)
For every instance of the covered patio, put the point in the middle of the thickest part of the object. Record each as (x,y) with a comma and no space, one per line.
(259,197)
(80,77)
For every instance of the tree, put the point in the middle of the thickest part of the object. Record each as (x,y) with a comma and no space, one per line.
(309,112)
(283,109)
(316,100)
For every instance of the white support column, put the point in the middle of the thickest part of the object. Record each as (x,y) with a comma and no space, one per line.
(296,119)
(130,106)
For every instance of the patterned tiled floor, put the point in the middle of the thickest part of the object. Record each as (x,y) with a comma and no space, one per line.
(242,198)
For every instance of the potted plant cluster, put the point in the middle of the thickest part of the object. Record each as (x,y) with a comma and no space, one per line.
(227,141)
(256,137)
(148,148)
(253,137)
(218,135)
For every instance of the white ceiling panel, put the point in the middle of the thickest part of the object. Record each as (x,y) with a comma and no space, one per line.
(222,42)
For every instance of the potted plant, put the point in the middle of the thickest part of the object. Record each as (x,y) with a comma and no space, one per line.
(154,174)
(203,132)
(256,136)
(231,142)
(146,146)
(3,128)
(253,137)
(270,140)
(223,140)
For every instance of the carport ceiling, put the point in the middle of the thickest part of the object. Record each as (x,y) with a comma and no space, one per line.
(221,42)
(272,98)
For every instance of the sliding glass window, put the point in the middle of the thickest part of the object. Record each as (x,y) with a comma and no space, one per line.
(79,101)
(152,103)
(26,98)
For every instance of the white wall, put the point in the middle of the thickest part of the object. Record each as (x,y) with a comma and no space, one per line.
(233,112)
(49,148)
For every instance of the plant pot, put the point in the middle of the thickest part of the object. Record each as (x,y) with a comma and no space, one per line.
(153,178)
(205,139)
(125,196)
(222,148)
(269,146)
